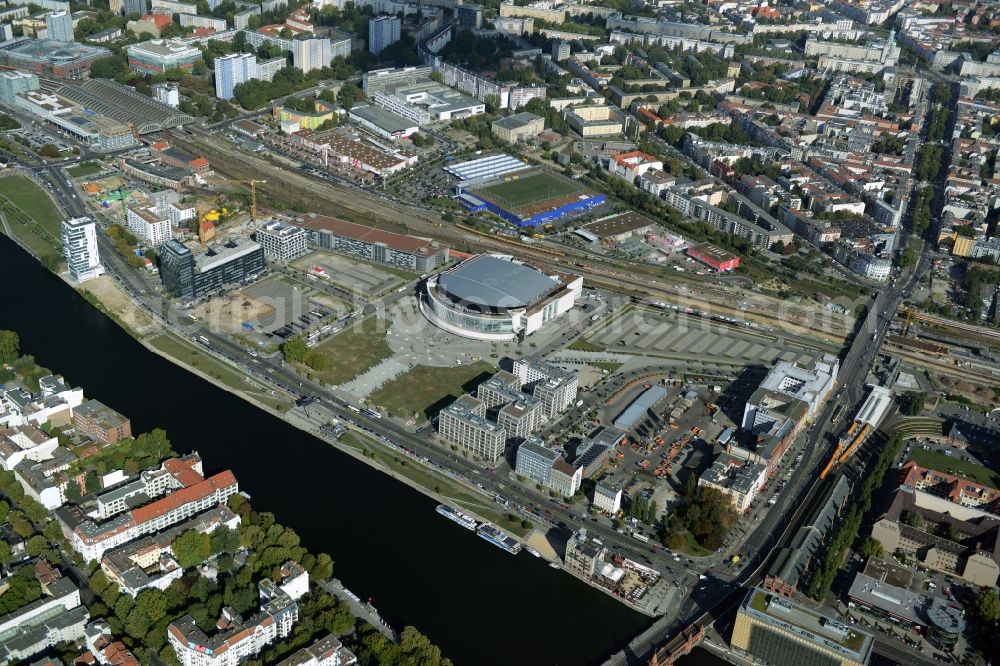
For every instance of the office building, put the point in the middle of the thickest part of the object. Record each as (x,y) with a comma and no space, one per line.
(283,242)
(188,276)
(232,70)
(101,423)
(156,56)
(771,629)
(167,93)
(469,16)
(64,60)
(959,540)
(411,253)
(789,395)
(464,424)
(6,31)
(607,497)
(149,226)
(15,81)
(535,460)
(60,26)
(585,554)
(236,638)
(382,32)
(79,246)
(140,7)
(379,80)
(309,52)
(560,50)
(554,387)
(566,478)
(740,480)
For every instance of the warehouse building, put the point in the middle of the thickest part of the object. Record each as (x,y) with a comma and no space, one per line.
(382,122)
(518,126)
(715,258)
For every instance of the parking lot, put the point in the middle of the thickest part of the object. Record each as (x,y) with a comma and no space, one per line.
(674,334)
(290,307)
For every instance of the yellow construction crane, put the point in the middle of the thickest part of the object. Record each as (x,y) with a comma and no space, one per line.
(908,321)
(253,193)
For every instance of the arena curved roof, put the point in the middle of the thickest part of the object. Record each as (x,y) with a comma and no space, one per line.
(494,283)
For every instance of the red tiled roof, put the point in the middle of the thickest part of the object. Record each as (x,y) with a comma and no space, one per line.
(367,234)
(182,470)
(183,496)
(199,162)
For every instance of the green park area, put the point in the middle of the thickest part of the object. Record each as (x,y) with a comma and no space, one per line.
(952,465)
(31,216)
(426,390)
(353,351)
(84,169)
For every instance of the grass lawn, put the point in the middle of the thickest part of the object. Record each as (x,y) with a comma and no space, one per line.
(427,389)
(610,366)
(951,465)
(189,354)
(354,351)
(34,201)
(84,169)
(584,345)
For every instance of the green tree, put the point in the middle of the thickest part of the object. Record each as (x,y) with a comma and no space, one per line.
(350,94)
(21,524)
(295,350)
(988,606)
(4,552)
(4,511)
(10,346)
(191,548)
(870,547)
(112,67)
(49,150)
(36,545)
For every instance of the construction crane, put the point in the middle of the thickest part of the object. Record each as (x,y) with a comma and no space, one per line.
(253,193)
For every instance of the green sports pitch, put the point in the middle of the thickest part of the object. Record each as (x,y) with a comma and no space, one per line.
(516,192)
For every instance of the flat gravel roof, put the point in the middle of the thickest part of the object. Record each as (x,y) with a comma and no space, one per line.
(495,283)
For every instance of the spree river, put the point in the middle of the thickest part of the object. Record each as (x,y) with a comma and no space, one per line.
(481,605)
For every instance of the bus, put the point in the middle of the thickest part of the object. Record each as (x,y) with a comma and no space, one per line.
(640,537)
(354,409)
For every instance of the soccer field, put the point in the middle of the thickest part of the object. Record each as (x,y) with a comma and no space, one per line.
(517,192)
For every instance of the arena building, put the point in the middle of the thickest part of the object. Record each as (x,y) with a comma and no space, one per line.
(497,297)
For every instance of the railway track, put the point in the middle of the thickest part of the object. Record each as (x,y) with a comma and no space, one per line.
(374,210)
